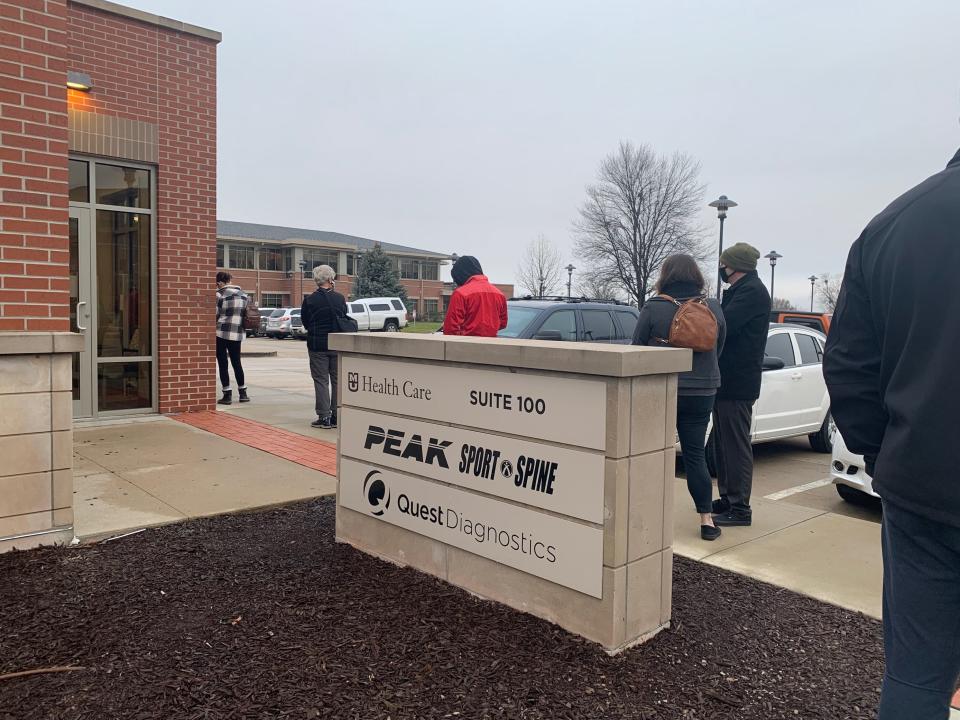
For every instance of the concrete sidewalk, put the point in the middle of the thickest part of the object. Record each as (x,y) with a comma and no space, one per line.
(142,474)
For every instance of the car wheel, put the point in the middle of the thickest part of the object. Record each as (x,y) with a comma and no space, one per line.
(391,326)
(852,495)
(822,440)
(711,453)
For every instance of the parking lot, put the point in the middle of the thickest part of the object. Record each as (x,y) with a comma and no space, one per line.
(786,472)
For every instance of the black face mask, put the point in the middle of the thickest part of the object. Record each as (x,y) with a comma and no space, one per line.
(725,273)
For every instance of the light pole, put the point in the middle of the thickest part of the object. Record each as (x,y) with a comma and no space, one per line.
(772,256)
(722,204)
(813,283)
(303,269)
(570,268)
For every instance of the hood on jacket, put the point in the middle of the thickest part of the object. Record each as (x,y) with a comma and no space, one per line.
(465,268)
(230,290)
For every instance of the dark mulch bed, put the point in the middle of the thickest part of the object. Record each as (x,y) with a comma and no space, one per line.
(263,615)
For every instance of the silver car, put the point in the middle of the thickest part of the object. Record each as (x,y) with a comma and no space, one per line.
(280,323)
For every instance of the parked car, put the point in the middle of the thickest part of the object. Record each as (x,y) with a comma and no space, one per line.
(570,319)
(265,315)
(378,314)
(849,474)
(817,321)
(297,329)
(279,325)
(793,395)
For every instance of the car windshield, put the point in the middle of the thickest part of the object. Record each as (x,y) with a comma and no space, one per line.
(277,313)
(518,318)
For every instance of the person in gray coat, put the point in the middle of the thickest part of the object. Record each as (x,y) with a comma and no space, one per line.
(681,279)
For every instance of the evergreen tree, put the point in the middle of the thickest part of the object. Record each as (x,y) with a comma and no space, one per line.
(377,276)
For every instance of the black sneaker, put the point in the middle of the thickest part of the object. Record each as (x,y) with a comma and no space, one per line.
(733,518)
(709,532)
(333,421)
(318,423)
(721,506)
(243,395)
(227,398)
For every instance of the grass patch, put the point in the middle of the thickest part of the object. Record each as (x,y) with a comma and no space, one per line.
(422,327)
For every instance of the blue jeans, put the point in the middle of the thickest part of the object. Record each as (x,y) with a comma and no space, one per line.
(921,615)
(693,416)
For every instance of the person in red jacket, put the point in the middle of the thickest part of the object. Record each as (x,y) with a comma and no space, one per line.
(476,308)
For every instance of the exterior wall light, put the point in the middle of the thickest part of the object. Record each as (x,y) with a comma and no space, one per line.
(79,81)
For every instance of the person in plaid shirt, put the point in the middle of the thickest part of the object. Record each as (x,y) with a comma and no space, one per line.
(231,302)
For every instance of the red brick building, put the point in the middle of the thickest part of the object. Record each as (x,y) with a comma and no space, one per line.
(274,264)
(108,211)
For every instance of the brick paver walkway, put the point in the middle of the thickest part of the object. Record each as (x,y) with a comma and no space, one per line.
(315,454)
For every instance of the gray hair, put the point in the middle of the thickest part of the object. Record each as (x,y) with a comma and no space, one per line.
(323,274)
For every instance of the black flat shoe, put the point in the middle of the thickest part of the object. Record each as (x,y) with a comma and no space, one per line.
(709,532)
(733,518)
(721,506)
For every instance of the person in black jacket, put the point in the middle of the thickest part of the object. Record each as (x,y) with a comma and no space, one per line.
(681,280)
(746,309)
(319,314)
(891,369)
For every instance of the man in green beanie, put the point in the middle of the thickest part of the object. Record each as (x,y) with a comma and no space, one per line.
(746,309)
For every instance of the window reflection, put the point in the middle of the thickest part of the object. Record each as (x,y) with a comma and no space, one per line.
(79,181)
(123,284)
(124,386)
(124,186)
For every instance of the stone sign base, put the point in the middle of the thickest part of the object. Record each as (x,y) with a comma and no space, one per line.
(623,586)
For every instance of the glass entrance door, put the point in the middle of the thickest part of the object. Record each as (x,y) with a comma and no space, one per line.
(81,315)
(112,287)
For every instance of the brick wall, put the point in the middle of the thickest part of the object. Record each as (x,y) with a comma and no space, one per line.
(34,244)
(162,76)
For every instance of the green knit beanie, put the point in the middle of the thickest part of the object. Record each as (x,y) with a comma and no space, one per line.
(740,257)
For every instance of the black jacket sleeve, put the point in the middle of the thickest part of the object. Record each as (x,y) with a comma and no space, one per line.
(641,335)
(851,366)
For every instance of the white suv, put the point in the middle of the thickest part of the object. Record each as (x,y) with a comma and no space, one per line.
(793,394)
(378,314)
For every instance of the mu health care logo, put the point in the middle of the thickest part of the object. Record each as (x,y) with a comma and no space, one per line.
(531,473)
(387,386)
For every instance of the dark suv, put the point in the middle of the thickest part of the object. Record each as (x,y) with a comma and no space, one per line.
(570,319)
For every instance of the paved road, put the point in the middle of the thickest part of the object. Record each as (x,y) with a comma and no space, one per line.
(786,472)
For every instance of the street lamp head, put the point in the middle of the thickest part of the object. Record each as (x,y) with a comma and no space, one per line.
(570,268)
(722,204)
(812,279)
(773,256)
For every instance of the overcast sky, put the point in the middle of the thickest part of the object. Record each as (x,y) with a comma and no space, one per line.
(472,127)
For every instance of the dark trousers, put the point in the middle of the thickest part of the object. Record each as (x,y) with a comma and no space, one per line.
(323,369)
(731,427)
(229,348)
(921,615)
(693,416)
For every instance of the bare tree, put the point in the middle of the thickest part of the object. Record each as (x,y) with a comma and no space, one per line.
(541,271)
(599,286)
(781,304)
(828,291)
(642,209)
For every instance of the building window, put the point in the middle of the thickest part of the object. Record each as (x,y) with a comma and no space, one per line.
(313,257)
(79,181)
(271,300)
(123,186)
(431,309)
(351,264)
(408,269)
(220,255)
(274,259)
(241,257)
(413,305)
(430,270)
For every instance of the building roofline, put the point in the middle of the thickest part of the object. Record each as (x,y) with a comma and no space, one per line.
(150,18)
(282,236)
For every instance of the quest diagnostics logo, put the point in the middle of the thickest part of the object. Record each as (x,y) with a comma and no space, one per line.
(376,492)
